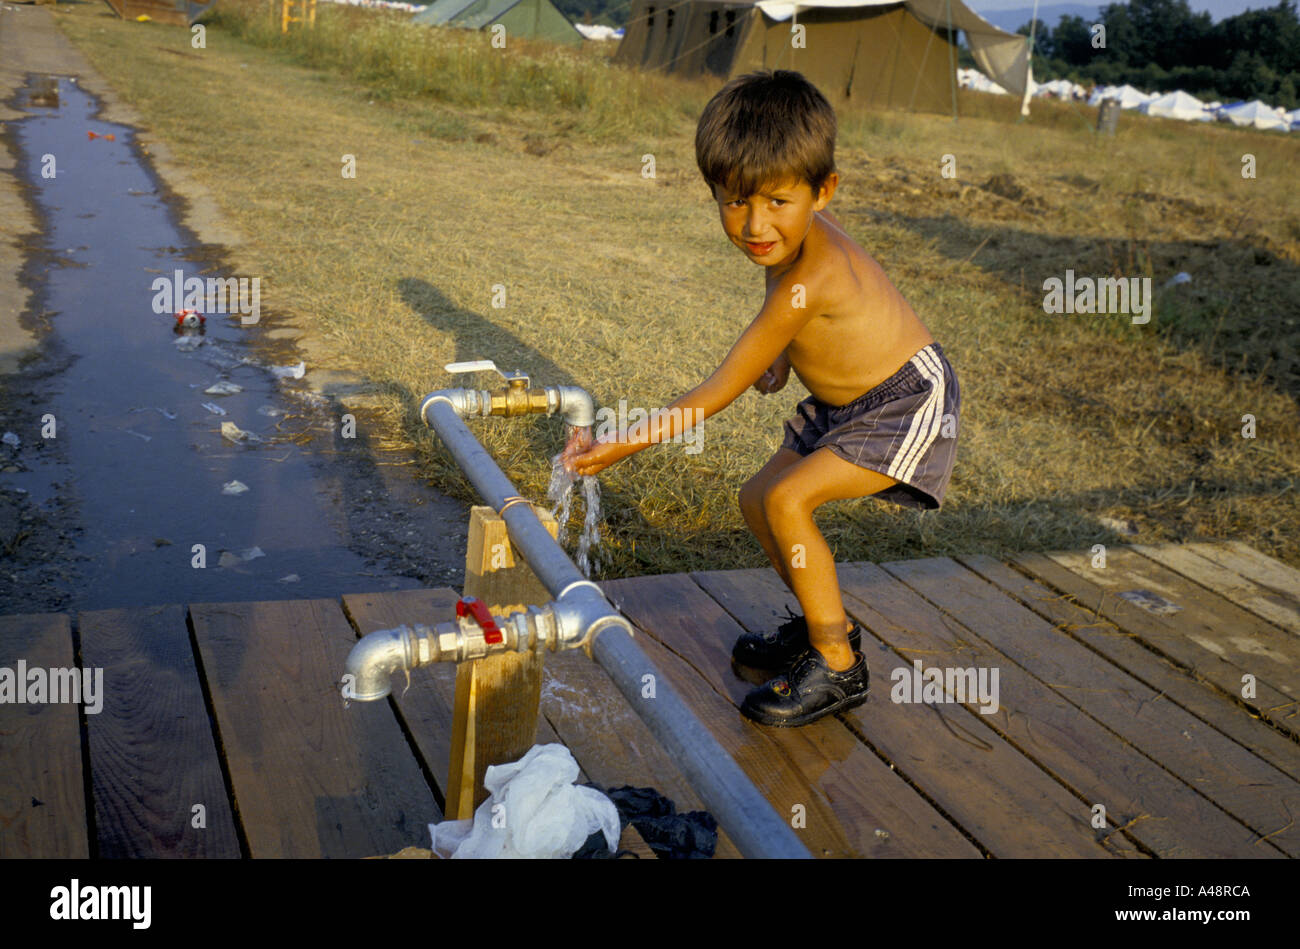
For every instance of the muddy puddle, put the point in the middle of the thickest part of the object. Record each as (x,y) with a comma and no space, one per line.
(149,462)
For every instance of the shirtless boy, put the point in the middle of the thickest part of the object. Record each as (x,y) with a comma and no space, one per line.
(881,419)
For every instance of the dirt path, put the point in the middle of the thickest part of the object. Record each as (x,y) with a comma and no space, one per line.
(94,520)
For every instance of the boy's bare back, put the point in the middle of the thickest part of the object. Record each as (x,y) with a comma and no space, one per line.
(861,331)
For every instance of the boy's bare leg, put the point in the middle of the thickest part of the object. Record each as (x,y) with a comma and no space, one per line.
(751,506)
(788,504)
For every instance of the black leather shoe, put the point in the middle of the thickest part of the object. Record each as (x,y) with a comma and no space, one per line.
(774,651)
(807,691)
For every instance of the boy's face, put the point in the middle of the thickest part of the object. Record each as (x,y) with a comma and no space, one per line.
(770,226)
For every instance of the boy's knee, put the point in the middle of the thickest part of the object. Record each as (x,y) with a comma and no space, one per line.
(782,498)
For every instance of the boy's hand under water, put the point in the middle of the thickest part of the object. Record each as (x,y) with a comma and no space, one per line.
(591,459)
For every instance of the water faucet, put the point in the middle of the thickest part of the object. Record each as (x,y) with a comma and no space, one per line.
(515,398)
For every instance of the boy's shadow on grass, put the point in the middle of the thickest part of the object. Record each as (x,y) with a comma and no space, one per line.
(1243,333)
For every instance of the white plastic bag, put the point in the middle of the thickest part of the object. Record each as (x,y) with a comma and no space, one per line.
(534,811)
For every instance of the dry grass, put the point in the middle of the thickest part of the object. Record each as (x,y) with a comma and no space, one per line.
(625,285)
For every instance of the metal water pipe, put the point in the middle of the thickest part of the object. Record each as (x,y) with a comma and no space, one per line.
(580,616)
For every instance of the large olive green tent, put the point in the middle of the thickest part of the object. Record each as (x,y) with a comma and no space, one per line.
(876,53)
(531,19)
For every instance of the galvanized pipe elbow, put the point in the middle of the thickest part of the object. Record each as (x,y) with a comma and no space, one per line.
(374,659)
(576,405)
(463,401)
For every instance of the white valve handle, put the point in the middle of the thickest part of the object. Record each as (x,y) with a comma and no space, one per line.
(478,365)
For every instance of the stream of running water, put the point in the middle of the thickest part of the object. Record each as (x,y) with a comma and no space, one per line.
(560,492)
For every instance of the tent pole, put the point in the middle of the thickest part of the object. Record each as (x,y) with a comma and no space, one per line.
(1029,58)
(952,67)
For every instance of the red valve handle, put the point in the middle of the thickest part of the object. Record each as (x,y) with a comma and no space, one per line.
(473,606)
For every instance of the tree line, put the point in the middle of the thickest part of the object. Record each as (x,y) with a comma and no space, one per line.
(1161,45)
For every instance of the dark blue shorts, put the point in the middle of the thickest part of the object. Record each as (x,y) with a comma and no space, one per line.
(905,428)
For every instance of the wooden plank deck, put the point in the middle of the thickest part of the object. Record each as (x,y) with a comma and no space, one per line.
(1147,708)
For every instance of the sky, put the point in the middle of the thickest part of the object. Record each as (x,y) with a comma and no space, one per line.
(1218,9)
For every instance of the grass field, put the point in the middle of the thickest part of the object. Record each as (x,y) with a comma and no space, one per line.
(479,167)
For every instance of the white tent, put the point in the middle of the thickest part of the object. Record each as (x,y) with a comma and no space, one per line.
(1128,97)
(1003,56)
(1255,114)
(1294,118)
(1101,92)
(976,80)
(1176,105)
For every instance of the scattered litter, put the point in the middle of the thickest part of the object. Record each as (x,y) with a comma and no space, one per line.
(236,434)
(1120,527)
(306,395)
(270,411)
(93,135)
(291,578)
(12,440)
(234,487)
(161,542)
(187,344)
(289,372)
(223,388)
(547,815)
(163,412)
(213,408)
(230,559)
(1181,277)
(1151,602)
(147,438)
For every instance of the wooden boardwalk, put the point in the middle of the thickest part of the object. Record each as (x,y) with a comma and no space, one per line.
(1146,708)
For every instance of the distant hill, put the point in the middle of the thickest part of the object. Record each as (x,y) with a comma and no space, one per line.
(1012,20)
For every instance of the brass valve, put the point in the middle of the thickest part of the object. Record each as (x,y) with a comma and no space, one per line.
(517,399)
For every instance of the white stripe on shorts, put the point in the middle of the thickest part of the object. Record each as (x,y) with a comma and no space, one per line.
(925,423)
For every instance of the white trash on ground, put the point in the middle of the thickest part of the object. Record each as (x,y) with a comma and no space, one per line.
(289,372)
(234,433)
(534,810)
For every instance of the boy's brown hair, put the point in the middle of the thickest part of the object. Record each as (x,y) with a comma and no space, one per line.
(766,127)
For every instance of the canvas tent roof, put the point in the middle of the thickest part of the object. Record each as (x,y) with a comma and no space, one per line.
(1256,114)
(1176,105)
(532,19)
(1002,56)
(1128,97)
(883,53)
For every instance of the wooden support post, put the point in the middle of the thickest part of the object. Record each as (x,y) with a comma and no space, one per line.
(495,718)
